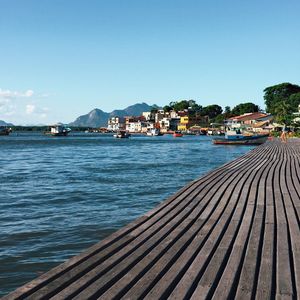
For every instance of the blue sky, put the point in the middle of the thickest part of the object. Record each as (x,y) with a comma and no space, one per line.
(61,58)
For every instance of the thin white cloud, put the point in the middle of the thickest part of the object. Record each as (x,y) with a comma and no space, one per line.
(8,94)
(30,108)
(17,106)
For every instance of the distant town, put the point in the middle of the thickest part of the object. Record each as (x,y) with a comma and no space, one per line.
(187,116)
(282,109)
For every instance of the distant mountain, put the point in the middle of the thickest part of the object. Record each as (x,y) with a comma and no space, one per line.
(95,118)
(133,110)
(2,123)
(99,118)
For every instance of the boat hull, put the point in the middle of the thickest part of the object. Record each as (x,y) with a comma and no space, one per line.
(177,134)
(57,134)
(122,135)
(246,140)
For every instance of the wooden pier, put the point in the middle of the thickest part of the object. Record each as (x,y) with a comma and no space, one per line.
(233,233)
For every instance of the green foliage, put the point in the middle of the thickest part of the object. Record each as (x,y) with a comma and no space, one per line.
(29,128)
(283,113)
(281,93)
(167,108)
(243,108)
(181,105)
(154,109)
(220,118)
(227,110)
(191,105)
(212,111)
(294,101)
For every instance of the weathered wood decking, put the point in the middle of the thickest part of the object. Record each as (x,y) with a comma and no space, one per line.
(233,233)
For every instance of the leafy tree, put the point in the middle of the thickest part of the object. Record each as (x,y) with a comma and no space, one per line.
(193,106)
(184,104)
(294,101)
(283,112)
(243,108)
(281,93)
(227,110)
(212,111)
(225,115)
(220,118)
(181,105)
(167,108)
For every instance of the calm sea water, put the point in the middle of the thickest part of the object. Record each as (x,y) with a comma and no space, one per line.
(60,195)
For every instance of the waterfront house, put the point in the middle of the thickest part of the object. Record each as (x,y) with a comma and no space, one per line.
(263,124)
(168,123)
(183,125)
(189,120)
(246,120)
(116,124)
(159,115)
(147,115)
(135,124)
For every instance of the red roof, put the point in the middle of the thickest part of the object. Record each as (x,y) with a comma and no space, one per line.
(250,116)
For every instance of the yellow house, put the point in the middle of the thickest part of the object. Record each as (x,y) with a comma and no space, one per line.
(184,121)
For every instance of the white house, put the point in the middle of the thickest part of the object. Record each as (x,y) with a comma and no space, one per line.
(115,124)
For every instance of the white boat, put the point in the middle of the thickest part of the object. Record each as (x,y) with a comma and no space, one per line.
(154,132)
(58,130)
(122,134)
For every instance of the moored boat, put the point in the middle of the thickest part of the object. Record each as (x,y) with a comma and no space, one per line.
(5,130)
(237,138)
(177,134)
(58,130)
(122,134)
(154,132)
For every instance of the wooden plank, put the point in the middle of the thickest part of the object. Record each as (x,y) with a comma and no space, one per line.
(224,277)
(266,283)
(284,285)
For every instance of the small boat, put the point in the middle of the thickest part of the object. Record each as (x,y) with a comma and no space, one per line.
(58,130)
(5,130)
(235,137)
(154,132)
(177,134)
(122,134)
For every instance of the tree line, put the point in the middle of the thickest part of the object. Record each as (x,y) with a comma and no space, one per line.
(214,111)
(281,100)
